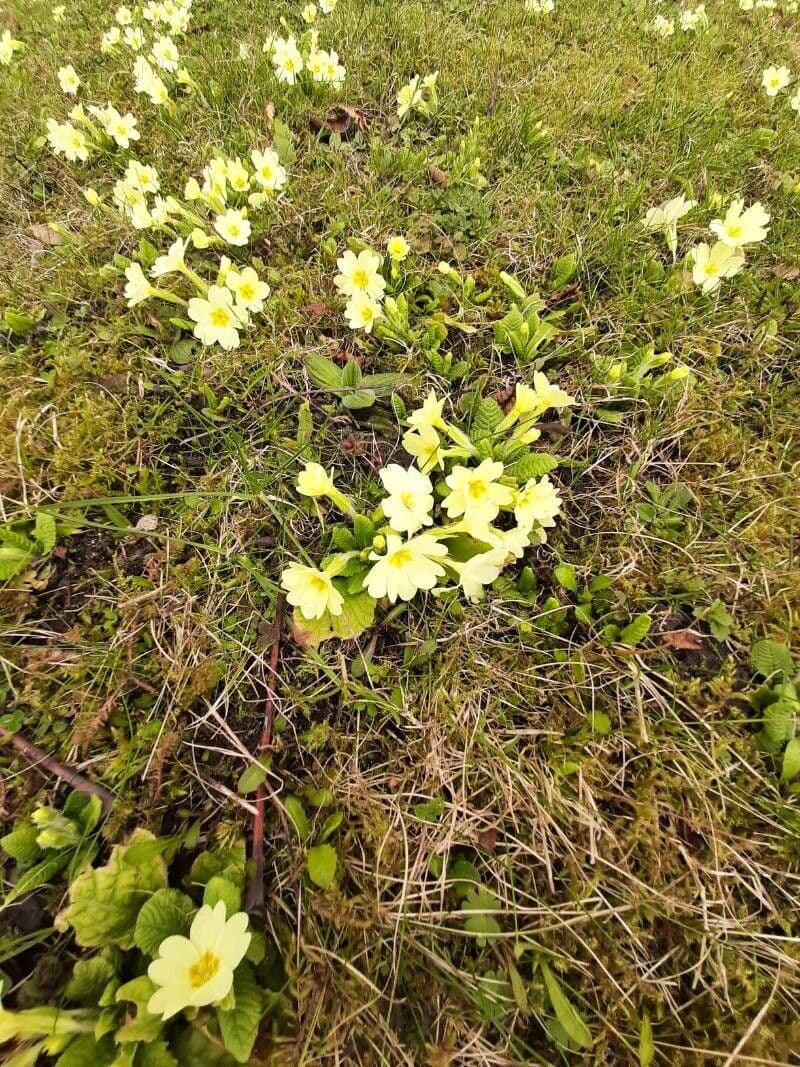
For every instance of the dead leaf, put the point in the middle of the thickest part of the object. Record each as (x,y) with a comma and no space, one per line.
(783,270)
(269,112)
(438,176)
(685,640)
(147,523)
(487,839)
(342,119)
(316,311)
(45,234)
(301,636)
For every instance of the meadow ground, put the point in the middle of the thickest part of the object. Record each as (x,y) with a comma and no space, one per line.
(556,825)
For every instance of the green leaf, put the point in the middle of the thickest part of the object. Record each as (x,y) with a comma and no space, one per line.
(156,1054)
(40,874)
(563,271)
(324,373)
(331,825)
(568,1016)
(21,845)
(399,407)
(219,888)
(564,574)
(481,899)
(363,531)
(239,1026)
(487,417)
(359,399)
(89,979)
(430,810)
(251,778)
(351,374)
(358,614)
(167,912)
(791,760)
(283,142)
(534,465)
(104,902)
(86,1050)
(647,1050)
(771,657)
(635,631)
(321,862)
(780,720)
(45,531)
(296,812)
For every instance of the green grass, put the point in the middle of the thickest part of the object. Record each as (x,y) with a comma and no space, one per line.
(651,860)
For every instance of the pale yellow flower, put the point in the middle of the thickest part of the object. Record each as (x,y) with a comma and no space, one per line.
(476,493)
(406,567)
(312,591)
(410,502)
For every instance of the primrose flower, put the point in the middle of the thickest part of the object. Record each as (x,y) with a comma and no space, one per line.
(120,128)
(740,226)
(530,403)
(430,414)
(537,501)
(711,265)
(410,501)
(172,262)
(110,39)
(247,287)
(149,83)
(58,12)
(67,141)
(237,175)
(286,59)
(406,568)
(479,571)
(360,274)
(794,102)
(408,97)
(68,80)
(693,19)
(774,79)
(425,445)
(662,27)
(315,482)
(540,7)
(197,970)
(269,173)
(124,15)
(308,14)
(133,37)
(217,320)
(327,6)
(665,217)
(142,176)
(138,288)
(165,54)
(362,312)
(476,493)
(312,591)
(398,248)
(233,227)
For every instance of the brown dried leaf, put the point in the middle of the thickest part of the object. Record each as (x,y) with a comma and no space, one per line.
(342,119)
(438,176)
(685,640)
(269,112)
(783,270)
(45,234)
(316,311)
(487,839)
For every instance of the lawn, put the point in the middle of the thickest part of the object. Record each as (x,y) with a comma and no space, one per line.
(398,506)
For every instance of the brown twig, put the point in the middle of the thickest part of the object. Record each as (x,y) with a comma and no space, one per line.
(254,897)
(563,294)
(47,764)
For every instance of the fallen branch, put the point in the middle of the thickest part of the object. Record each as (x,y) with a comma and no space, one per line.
(48,765)
(254,897)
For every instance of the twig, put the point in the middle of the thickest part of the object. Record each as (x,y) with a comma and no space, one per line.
(563,294)
(254,897)
(48,764)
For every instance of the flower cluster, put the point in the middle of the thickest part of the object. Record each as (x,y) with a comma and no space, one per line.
(147,31)
(77,139)
(791,7)
(418,95)
(741,226)
(540,7)
(711,263)
(292,58)
(489,512)
(775,79)
(8,46)
(693,19)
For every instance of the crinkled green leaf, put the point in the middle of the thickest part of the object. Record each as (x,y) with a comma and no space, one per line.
(45,531)
(534,465)
(89,979)
(239,1026)
(85,1051)
(771,657)
(220,888)
(166,913)
(21,844)
(104,902)
(635,631)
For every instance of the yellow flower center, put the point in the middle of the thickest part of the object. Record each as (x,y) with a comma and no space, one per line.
(318,584)
(367,314)
(266,173)
(407,500)
(734,230)
(360,279)
(401,558)
(477,490)
(233,229)
(220,317)
(247,291)
(204,970)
